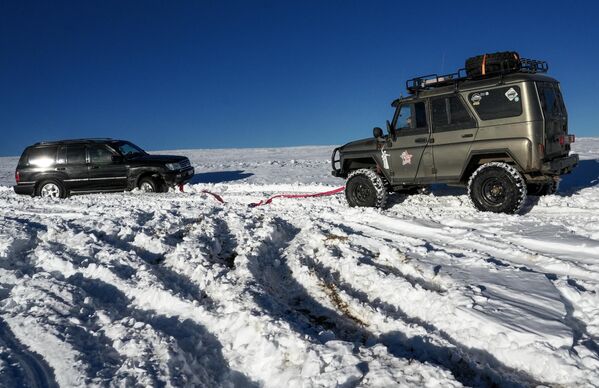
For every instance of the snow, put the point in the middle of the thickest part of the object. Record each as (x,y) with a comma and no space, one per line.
(177,289)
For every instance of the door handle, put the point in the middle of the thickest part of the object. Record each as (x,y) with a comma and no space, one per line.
(420,140)
(94,167)
(468,135)
(60,168)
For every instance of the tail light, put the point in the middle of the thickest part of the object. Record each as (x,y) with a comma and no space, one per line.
(567,139)
(17,176)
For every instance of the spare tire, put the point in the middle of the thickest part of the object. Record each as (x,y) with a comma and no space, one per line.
(503,62)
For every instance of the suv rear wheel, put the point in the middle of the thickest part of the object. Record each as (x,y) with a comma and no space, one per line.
(365,188)
(51,189)
(497,187)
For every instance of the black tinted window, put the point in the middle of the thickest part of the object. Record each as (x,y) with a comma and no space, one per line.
(42,156)
(449,113)
(99,154)
(440,117)
(61,156)
(551,101)
(497,103)
(76,154)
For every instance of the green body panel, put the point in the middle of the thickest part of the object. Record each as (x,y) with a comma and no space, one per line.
(423,155)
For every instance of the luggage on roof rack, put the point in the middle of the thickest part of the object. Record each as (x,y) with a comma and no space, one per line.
(503,62)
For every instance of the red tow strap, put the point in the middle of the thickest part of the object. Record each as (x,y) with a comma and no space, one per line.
(216,196)
(269,200)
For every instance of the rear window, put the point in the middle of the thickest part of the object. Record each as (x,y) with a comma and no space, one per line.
(551,99)
(497,103)
(42,156)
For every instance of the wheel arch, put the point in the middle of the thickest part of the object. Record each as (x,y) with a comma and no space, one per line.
(478,158)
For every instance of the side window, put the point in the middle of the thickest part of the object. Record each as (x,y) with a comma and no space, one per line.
(61,156)
(420,114)
(42,156)
(450,114)
(76,154)
(98,154)
(412,119)
(440,117)
(404,120)
(497,103)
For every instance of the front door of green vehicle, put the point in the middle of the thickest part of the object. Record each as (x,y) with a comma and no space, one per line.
(454,130)
(404,157)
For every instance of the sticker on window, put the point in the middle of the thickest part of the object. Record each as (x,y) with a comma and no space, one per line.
(477,97)
(512,95)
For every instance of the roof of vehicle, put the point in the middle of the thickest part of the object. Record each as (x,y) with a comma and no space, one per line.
(67,141)
(465,84)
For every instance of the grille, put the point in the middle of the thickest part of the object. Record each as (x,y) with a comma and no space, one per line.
(185,163)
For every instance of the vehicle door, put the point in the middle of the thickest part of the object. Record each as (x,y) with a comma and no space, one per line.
(106,169)
(556,119)
(71,159)
(454,129)
(405,153)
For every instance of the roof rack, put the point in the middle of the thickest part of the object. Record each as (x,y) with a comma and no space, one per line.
(434,81)
(91,139)
(530,66)
(533,66)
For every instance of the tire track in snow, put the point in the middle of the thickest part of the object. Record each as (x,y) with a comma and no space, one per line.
(36,372)
(470,366)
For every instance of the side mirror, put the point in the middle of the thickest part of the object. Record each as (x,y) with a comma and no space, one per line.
(377,132)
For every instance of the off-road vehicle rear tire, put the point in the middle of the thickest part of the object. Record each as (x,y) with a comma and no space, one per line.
(365,188)
(497,187)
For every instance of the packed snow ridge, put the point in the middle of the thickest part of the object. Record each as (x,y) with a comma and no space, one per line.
(177,289)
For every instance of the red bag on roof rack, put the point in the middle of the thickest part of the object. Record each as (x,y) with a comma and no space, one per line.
(503,62)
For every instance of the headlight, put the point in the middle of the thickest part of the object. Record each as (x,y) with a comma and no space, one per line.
(173,166)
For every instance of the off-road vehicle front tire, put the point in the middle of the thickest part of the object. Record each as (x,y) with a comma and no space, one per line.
(497,187)
(365,188)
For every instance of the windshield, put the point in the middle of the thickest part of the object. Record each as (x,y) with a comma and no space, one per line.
(128,149)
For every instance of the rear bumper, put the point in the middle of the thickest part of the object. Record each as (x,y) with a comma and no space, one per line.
(26,189)
(336,163)
(178,177)
(560,166)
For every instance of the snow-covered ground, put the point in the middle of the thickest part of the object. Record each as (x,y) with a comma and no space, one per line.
(178,289)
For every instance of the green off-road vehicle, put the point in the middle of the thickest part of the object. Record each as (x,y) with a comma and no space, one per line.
(498,127)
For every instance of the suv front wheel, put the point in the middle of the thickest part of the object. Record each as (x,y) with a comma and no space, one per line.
(497,187)
(365,188)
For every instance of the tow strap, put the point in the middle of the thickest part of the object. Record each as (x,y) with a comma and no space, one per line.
(216,196)
(323,194)
(269,200)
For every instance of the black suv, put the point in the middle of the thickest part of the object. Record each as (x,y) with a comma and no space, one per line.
(59,168)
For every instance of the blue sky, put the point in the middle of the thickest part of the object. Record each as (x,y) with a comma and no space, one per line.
(206,74)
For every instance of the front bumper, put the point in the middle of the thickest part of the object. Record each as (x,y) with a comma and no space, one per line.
(24,188)
(560,166)
(177,177)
